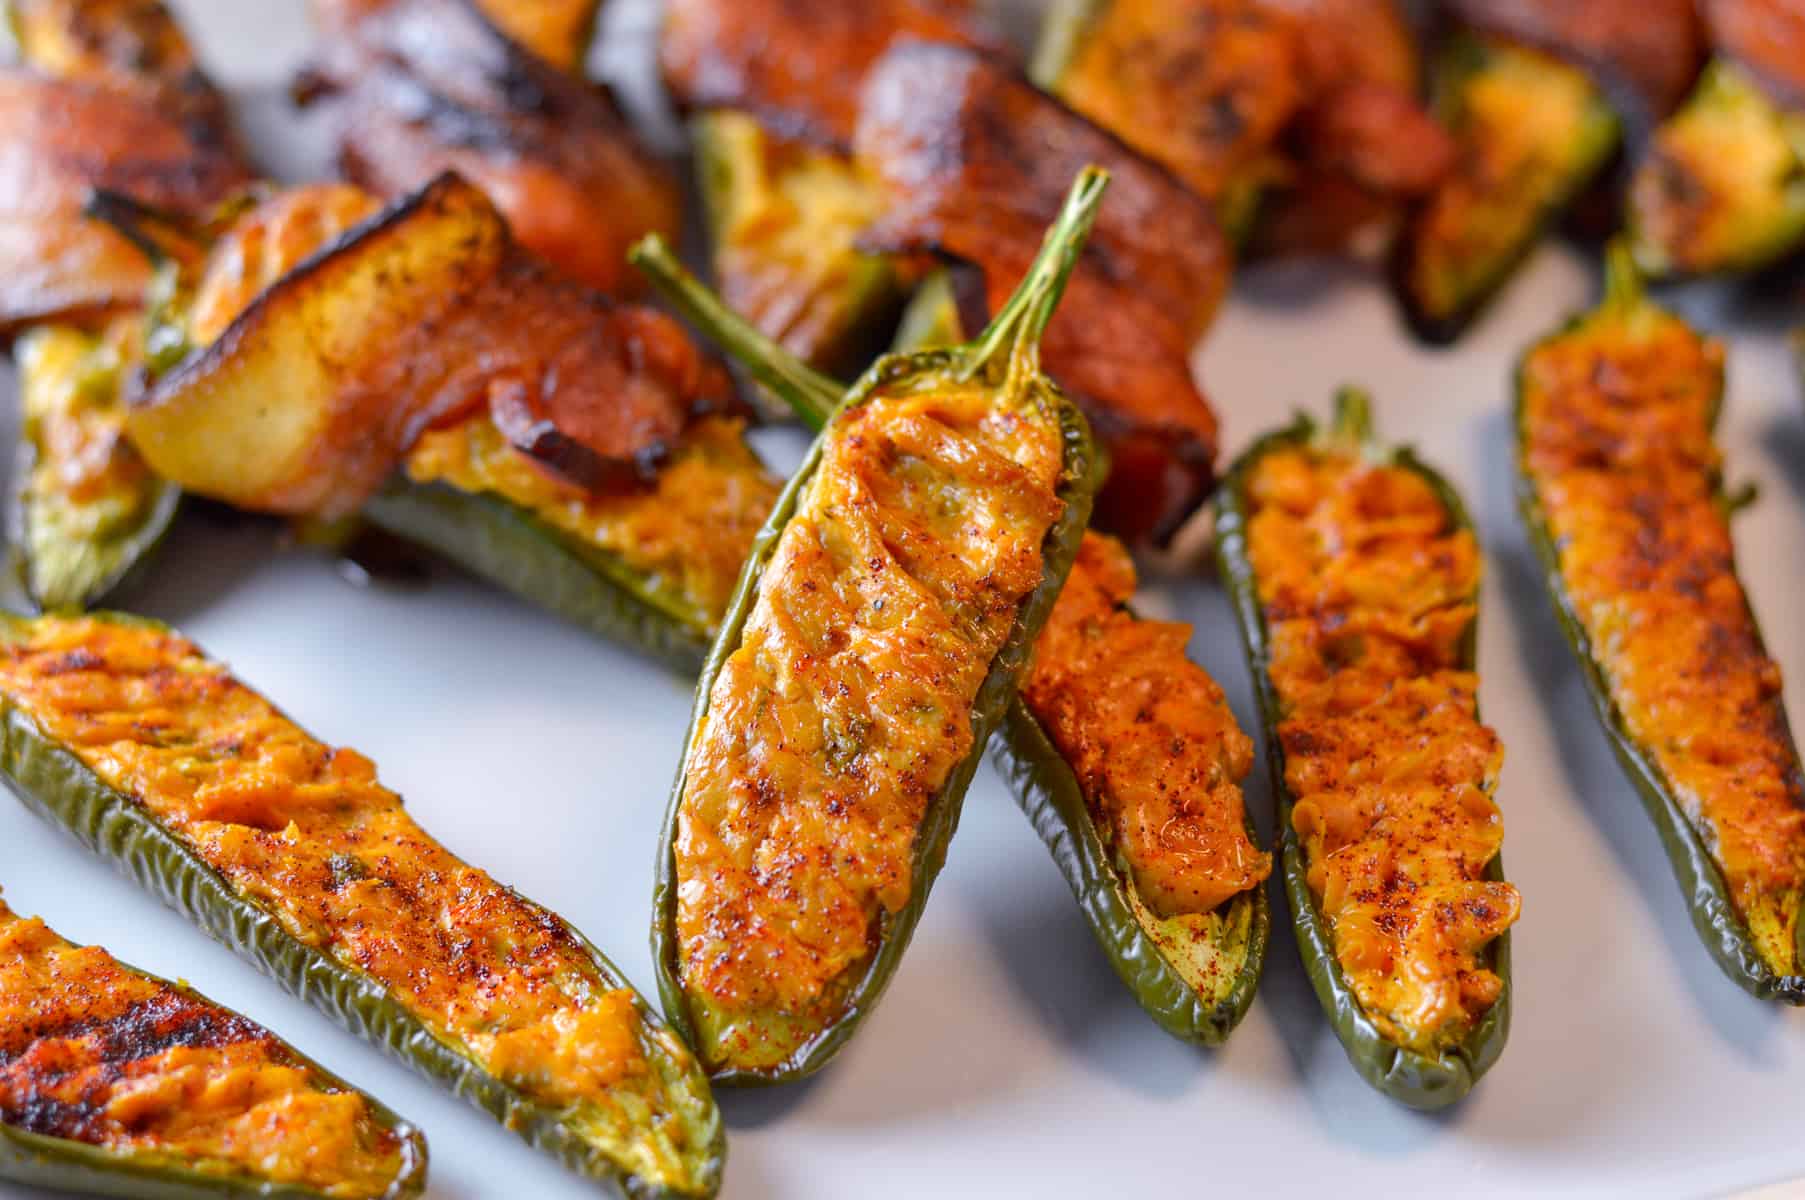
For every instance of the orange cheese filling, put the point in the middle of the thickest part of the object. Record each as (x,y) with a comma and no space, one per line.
(1618,447)
(848,702)
(1149,736)
(1370,593)
(305,832)
(686,536)
(93,1052)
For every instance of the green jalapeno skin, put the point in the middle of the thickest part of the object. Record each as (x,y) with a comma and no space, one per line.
(1449,264)
(59,787)
(36,1160)
(1722,930)
(1410,1076)
(1044,783)
(1722,189)
(1048,791)
(1016,331)
(511,548)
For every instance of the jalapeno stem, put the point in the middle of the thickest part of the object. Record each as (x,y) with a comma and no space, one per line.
(811,394)
(1352,422)
(1013,338)
(1623,287)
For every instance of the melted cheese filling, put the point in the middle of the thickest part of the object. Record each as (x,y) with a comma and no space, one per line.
(1369,595)
(1619,450)
(94,1053)
(686,537)
(305,832)
(1149,736)
(87,488)
(848,702)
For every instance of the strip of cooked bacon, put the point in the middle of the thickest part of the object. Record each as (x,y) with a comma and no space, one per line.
(975,161)
(422,316)
(797,64)
(419,87)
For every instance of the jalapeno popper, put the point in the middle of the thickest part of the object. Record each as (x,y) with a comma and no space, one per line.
(419,87)
(422,371)
(1355,576)
(1722,187)
(973,159)
(291,852)
(1620,488)
(118,1083)
(1539,95)
(1123,752)
(876,638)
(109,94)
(772,88)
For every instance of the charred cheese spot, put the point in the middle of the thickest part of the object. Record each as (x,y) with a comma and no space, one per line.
(849,700)
(1369,594)
(93,1052)
(1149,736)
(1616,426)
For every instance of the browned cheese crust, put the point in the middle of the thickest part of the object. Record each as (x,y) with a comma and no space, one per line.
(96,1053)
(848,702)
(1149,736)
(1369,594)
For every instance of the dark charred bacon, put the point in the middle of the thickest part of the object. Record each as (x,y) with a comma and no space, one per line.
(1645,53)
(423,316)
(797,64)
(1767,37)
(65,139)
(425,86)
(975,161)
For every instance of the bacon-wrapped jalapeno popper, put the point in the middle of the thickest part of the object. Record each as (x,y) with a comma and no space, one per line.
(1722,186)
(1539,95)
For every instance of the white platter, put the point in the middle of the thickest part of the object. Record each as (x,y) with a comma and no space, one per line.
(1007,1060)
